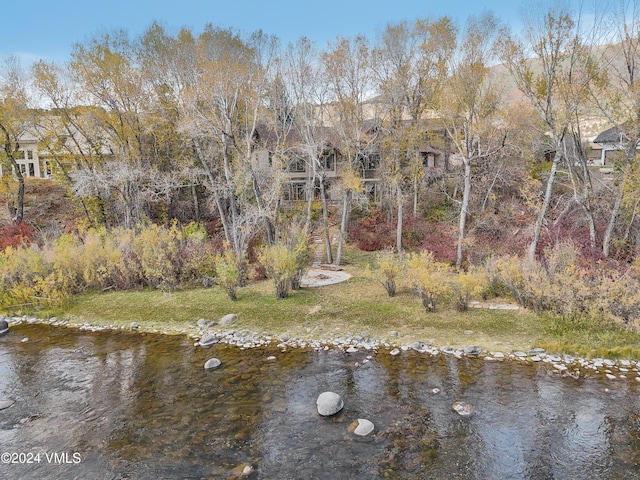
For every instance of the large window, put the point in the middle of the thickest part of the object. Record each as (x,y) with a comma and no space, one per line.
(295,191)
(328,161)
(297,165)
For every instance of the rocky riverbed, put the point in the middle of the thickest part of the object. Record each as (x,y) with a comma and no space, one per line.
(223,332)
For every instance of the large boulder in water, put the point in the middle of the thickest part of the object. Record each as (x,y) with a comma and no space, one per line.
(361,427)
(212,363)
(462,408)
(4,326)
(329,403)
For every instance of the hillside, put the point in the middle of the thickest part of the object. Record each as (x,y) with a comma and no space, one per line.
(47,206)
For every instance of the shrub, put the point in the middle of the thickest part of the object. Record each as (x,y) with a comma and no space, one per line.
(13,235)
(227,273)
(429,278)
(388,268)
(158,249)
(468,283)
(281,265)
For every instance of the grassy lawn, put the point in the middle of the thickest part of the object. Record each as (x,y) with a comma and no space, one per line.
(359,305)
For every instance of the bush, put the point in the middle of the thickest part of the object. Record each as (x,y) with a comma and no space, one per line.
(158,250)
(228,273)
(388,268)
(13,235)
(430,279)
(378,232)
(561,284)
(468,283)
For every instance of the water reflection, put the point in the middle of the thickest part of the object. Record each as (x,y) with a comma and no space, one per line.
(142,406)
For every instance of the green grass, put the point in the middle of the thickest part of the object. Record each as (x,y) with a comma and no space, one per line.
(355,306)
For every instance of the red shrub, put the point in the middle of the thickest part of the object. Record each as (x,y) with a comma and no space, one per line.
(12,235)
(377,232)
(442,240)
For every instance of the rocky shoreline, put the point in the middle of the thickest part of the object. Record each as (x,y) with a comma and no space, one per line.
(205,335)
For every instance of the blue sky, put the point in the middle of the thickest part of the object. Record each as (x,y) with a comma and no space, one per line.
(48,29)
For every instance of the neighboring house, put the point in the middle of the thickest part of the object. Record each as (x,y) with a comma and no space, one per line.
(298,170)
(30,161)
(613,143)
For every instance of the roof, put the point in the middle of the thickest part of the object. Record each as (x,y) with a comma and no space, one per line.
(611,135)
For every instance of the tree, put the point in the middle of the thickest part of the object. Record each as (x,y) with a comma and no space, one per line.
(552,41)
(468,107)
(306,87)
(616,92)
(15,119)
(410,67)
(348,68)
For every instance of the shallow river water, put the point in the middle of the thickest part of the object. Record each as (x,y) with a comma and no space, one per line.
(115,405)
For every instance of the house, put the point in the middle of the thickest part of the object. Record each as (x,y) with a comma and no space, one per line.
(613,143)
(292,150)
(30,161)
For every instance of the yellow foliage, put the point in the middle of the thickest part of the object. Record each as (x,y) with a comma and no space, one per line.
(157,249)
(281,265)
(228,272)
(389,267)
(429,278)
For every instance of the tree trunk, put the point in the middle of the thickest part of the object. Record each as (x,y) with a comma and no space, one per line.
(325,221)
(466,193)
(608,233)
(399,223)
(537,229)
(346,209)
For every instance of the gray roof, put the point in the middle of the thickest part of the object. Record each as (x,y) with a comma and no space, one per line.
(611,135)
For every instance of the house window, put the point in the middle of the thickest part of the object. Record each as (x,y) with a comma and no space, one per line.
(431,160)
(370,162)
(30,154)
(48,168)
(298,165)
(328,161)
(372,191)
(295,191)
(32,169)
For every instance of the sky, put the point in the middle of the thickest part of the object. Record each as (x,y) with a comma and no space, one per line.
(48,29)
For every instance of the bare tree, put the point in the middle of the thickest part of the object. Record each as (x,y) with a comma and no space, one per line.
(14,122)
(468,107)
(552,41)
(348,68)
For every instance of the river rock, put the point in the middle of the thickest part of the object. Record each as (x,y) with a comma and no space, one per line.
(472,350)
(329,403)
(228,319)
(207,340)
(212,363)
(202,322)
(362,427)
(4,327)
(394,352)
(5,404)
(242,471)
(462,408)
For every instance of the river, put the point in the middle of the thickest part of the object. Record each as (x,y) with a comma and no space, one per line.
(120,405)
